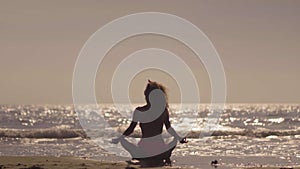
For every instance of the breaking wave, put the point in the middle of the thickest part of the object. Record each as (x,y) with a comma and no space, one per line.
(61,133)
(42,133)
(247,133)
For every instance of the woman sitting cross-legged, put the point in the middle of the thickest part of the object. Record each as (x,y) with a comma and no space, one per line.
(151,149)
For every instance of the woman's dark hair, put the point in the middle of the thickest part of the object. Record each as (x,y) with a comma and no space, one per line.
(154,85)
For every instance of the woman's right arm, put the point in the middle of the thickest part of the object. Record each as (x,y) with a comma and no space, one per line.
(127,132)
(130,129)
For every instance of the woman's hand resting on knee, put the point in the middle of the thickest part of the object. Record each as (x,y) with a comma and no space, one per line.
(117,140)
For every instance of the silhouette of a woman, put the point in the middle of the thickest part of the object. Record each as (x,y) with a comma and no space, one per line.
(151,147)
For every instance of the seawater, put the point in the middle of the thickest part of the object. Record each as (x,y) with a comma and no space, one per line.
(242,130)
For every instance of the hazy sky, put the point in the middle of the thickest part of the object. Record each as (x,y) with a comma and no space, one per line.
(258,42)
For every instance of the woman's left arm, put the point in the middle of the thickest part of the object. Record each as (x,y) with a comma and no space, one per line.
(169,128)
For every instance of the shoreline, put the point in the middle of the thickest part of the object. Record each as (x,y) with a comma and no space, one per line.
(52,162)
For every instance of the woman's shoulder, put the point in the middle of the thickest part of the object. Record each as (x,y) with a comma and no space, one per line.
(142,108)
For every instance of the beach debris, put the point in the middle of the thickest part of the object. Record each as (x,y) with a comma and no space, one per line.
(183,140)
(214,163)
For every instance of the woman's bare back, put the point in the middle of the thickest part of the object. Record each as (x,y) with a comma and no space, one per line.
(155,127)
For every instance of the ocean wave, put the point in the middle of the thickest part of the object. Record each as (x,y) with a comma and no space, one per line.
(61,133)
(43,133)
(253,133)
(248,133)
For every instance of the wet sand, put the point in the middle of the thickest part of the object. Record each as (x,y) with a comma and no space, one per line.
(47,162)
(229,162)
(50,162)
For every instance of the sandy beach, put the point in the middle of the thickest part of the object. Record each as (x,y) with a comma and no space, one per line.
(50,162)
